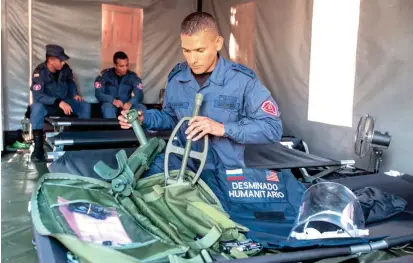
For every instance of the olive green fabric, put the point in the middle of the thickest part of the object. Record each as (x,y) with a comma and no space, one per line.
(165,223)
(47,219)
(188,212)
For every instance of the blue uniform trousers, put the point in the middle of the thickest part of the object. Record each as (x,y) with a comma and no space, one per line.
(38,111)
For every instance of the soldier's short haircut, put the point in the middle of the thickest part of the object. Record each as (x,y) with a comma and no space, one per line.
(198,22)
(119,55)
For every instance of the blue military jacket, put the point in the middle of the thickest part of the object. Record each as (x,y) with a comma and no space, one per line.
(107,87)
(234,96)
(46,89)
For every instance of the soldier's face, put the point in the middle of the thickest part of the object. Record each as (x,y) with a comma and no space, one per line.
(122,66)
(201,49)
(57,63)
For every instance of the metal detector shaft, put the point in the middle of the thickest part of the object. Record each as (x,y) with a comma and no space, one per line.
(198,102)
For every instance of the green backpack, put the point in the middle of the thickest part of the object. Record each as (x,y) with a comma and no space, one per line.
(174,223)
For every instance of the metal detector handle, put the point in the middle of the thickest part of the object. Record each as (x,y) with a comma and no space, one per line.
(132,117)
(198,102)
(186,152)
(170,148)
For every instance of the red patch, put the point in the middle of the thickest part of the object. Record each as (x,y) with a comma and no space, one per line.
(140,86)
(273,177)
(269,108)
(235,178)
(98,85)
(37,87)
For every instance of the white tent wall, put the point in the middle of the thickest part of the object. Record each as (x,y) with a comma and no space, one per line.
(383,86)
(77,25)
(15,62)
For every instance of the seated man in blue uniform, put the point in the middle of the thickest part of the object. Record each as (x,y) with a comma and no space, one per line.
(114,87)
(54,92)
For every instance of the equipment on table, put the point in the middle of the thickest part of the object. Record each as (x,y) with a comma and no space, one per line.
(129,170)
(186,152)
(329,210)
(367,137)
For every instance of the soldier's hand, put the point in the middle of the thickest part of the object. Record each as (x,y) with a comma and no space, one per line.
(200,126)
(124,123)
(77,97)
(117,103)
(127,106)
(65,107)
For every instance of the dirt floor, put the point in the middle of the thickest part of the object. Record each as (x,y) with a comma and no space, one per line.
(18,179)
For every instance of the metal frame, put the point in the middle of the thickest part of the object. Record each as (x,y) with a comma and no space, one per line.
(330,169)
(53,156)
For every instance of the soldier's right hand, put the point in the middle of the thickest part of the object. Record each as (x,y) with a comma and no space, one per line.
(124,123)
(117,103)
(65,107)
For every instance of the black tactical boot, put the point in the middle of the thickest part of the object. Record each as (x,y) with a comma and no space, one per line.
(38,153)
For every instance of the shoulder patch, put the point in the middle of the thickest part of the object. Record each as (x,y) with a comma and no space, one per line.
(37,87)
(243,69)
(178,68)
(269,107)
(98,85)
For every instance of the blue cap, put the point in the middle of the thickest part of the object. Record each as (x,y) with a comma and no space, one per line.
(56,51)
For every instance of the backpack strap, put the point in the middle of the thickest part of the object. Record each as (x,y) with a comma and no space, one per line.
(221,218)
(157,193)
(208,240)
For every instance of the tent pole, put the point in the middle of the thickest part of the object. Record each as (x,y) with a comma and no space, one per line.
(30,49)
(30,59)
(199,6)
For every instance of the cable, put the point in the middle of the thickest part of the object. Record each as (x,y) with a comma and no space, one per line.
(408,249)
(371,155)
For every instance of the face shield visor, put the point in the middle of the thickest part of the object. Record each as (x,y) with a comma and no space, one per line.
(328,210)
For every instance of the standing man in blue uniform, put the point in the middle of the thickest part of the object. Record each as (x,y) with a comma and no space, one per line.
(237,108)
(54,91)
(114,87)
